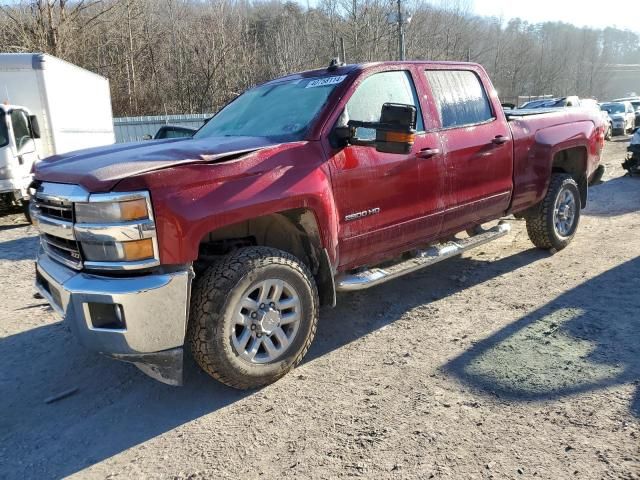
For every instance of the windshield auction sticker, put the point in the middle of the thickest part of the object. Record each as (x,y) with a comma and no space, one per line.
(324,81)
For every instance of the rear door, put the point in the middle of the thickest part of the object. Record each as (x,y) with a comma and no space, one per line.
(381,197)
(477,144)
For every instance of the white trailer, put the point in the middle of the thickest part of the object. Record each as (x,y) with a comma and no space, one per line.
(49,107)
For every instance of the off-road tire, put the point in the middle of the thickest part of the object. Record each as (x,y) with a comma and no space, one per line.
(540,224)
(216,293)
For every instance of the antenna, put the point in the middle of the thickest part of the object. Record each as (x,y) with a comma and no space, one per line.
(8,100)
(334,64)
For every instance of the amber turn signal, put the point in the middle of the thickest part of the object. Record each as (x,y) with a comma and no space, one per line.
(134,209)
(138,249)
(400,137)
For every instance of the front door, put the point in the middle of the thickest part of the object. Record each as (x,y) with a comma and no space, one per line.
(23,145)
(381,197)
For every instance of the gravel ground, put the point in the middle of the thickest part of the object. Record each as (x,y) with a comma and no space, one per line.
(505,363)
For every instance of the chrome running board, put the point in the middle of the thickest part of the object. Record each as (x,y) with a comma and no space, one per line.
(348,282)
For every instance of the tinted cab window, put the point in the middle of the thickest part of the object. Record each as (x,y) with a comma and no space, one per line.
(460,98)
(386,87)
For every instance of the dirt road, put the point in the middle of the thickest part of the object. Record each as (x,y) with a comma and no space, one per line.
(506,363)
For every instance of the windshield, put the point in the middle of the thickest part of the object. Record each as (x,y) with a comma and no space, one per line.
(4,135)
(613,107)
(282,111)
(636,105)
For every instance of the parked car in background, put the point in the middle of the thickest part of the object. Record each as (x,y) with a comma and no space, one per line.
(559,102)
(635,101)
(632,163)
(623,116)
(171,131)
(174,131)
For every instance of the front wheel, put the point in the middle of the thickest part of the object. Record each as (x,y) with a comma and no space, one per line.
(555,222)
(253,316)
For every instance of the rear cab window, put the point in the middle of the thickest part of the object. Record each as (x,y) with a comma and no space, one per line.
(366,102)
(460,98)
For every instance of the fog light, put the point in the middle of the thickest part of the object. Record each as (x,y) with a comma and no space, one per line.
(118,251)
(106,315)
(138,249)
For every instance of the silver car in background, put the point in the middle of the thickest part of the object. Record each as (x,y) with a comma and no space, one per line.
(623,116)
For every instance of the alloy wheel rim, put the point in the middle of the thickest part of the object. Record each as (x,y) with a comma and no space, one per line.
(564,213)
(266,321)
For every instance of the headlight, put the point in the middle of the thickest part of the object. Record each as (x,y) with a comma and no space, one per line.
(110,212)
(117,231)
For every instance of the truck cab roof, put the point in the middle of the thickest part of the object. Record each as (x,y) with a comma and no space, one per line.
(348,69)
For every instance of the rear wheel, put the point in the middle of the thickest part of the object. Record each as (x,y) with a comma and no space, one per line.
(253,317)
(556,220)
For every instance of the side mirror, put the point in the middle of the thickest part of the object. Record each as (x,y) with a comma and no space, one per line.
(147,137)
(395,132)
(35,126)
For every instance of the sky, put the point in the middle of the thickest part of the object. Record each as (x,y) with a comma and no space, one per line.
(578,12)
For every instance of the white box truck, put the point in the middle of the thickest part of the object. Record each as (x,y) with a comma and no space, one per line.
(47,107)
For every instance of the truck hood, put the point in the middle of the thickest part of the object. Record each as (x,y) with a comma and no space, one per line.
(99,169)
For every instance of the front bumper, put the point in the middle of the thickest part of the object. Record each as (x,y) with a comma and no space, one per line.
(151,311)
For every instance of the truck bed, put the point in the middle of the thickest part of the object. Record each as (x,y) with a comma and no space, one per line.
(536,139)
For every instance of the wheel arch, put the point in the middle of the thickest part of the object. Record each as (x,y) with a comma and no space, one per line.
(296,231)
(573,161)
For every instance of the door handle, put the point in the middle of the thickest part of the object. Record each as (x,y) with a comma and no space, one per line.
(428,152)
(20,160)
(500,139)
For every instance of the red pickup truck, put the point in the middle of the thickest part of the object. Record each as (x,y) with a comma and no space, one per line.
(230,241)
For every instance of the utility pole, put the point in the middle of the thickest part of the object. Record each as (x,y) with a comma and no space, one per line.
(401,53)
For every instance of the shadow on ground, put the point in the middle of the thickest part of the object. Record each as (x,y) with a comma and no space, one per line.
(117,407)
(586,339)
(23,248)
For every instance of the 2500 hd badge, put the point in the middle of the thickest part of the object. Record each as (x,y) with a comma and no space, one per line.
(362,214)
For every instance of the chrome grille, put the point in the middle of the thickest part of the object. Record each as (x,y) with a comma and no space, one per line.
(55,209)
(63,247)
(54,216)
